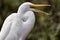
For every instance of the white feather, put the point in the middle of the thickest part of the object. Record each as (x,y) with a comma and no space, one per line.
(18,25)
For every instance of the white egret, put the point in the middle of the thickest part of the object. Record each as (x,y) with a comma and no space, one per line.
(18,25)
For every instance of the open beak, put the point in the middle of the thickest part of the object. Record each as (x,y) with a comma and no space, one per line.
(38,5)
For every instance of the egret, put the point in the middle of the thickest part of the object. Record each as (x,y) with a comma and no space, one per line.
(18,25)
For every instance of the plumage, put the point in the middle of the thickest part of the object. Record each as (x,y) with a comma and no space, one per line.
(18,25)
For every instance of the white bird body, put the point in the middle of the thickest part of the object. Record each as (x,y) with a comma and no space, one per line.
(15,28)
(18,25)
(6,27)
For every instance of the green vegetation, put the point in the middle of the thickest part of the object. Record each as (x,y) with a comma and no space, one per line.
(47,27)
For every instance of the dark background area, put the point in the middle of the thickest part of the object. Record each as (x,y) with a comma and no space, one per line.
(47,27)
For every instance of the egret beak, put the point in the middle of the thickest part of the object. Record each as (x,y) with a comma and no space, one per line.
(38,5)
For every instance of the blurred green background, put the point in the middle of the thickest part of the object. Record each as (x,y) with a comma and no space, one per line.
(47,27)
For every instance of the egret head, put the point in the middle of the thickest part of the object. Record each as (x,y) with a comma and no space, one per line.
(24,7)
(27,7)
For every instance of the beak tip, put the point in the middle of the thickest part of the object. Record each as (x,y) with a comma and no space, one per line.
(49,5)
